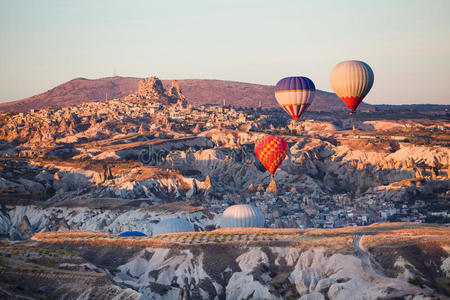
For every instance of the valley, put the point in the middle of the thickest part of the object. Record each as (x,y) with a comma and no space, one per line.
(73,178)
(273,263)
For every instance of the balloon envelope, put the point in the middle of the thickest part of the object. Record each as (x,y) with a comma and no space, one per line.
(242,215)
(351,81)
(173,225)
(295,95)
(132,233)
(271,151)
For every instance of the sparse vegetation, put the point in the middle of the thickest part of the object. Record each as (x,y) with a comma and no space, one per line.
(416,280)
(340,238)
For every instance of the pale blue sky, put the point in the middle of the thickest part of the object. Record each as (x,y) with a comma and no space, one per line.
(407,43)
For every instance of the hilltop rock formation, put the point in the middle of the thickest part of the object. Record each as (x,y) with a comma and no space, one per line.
(150,88)
(174,91)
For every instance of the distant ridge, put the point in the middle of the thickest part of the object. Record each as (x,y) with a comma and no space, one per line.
(418,107)
(74,92)
(197,91)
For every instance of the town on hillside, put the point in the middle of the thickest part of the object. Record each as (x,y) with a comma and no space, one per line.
(151,145)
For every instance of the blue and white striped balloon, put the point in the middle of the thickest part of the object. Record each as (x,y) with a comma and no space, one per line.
(295,95)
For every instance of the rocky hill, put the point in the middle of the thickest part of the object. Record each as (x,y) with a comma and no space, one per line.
(75,92)
(197,91)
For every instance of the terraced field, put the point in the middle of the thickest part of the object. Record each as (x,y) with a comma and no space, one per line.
(338,238)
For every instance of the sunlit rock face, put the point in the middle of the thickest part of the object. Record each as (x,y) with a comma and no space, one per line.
(175,92)
(150,88)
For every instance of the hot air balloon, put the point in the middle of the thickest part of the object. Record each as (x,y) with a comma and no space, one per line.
(242,215)
(132,233)
(172,225)
(271,151)
(351,81)
(295,95)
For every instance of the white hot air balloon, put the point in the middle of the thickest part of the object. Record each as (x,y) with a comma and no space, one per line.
(242,215)
(351,81)
(173,225)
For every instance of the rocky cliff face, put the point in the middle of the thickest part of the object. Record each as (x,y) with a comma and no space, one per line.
(337,167)
(174,91)
(339,268)
(20,222)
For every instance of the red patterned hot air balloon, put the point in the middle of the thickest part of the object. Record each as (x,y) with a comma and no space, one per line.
(271,151)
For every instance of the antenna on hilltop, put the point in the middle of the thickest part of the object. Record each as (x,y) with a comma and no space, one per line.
(114,72)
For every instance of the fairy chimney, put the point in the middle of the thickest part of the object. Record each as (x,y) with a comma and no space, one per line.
(272,187)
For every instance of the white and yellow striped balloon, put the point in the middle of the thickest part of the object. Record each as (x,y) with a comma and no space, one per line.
(351,81)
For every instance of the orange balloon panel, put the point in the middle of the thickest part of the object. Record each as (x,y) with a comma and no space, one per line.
(271,151)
